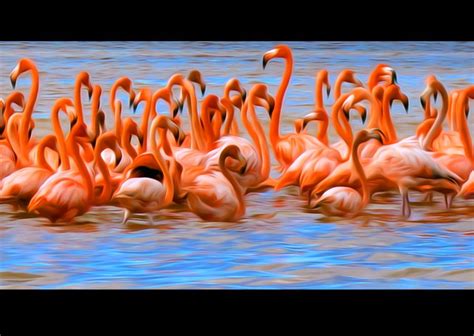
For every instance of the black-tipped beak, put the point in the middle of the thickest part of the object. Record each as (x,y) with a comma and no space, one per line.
(89,93)
(264,62)
(176,111)
(203,89)
(423,102)
(134,107)
(394,77)
(73,122)
(243,169)
(435,95)
(364,117)
(181,138)
(13,81)
(406,105)
(305,122)
(244,95)
(118,158)
(346,114)
(130,102)
(328,90)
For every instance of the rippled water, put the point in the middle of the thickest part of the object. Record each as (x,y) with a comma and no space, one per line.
(278,244)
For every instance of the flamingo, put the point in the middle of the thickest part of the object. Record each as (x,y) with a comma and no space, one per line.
(69,192)
(25,65)
(345,201)
(286,148)
(143,194)
(214,194)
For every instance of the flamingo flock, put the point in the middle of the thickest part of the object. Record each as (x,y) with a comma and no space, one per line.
(212,167)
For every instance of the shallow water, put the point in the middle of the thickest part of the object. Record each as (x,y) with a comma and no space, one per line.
(278,244)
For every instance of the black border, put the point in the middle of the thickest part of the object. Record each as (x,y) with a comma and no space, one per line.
(47,311)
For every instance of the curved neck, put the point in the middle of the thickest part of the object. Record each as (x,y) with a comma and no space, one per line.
(322,134)
(338,87)
(276,115)
(117,106)
(81,167)
(126,140)
(336,116)
(78,102)
(389,128)
(230,115)
(167,180)
(145,120)
(318,92)
(13,136)
(360,172)
(207,126)
(28,112)
(231,179)
(438,124)
(260,140)
(106,193)
(58,131)
(461,123)
(48,141)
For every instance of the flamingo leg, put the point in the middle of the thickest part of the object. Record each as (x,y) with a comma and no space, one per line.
(448,200)
(406,211)
(428,197)
(150,218)
(126,216)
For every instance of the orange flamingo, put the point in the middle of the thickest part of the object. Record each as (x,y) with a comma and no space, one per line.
(143,194)
(286,148)
(69,192)
(25,65)
(19,187)
(345,201)
(214,194)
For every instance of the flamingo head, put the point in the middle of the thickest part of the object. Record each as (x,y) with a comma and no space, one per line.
(83,79)
(195,76)
(280,51)
(25,64)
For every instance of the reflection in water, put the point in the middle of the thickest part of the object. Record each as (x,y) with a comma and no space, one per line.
(278,244)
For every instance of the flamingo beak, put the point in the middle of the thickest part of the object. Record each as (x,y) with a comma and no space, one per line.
(13,81)
(364,116)
(406,104)
(435,95)
(328,90)
(203,89)
(423,102)
(394,77)
(89,92)
(264,62)
(244,95)
(346,114)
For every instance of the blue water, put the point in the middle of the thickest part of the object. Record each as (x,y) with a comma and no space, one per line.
(277,244)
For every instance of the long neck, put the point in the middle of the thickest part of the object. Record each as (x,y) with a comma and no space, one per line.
(65,165)
(230,116)
(387,120)
(106,193)
(318,93)
(322,134)
(117,106)
(144,125)
(232,181)
(461,123)
(126,142)
(276,115)
(360,172)
(261,142)
(46,142)
(81,167)
(338,87)
(167,180)
(197,139)
(13,136)
(208,129)
(336,116)
(78,103)
(28,112)
(438,124)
